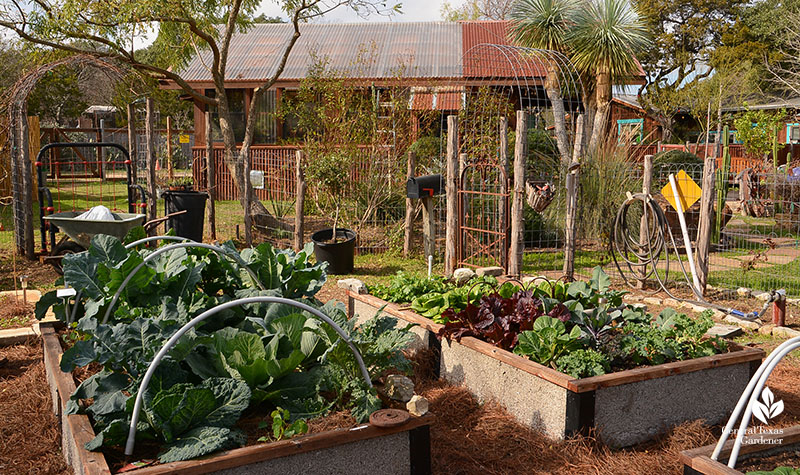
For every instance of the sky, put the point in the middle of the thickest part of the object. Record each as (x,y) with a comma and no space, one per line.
(413,10)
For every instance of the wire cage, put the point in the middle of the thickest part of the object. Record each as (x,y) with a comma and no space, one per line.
(497,82)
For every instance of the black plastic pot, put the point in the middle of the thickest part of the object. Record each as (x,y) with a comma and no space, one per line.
(338,255)
(189,224)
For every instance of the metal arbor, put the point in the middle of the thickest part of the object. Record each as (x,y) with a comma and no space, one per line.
(499,81)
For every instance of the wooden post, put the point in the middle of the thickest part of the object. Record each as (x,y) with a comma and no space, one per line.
(248,199)
(211,173)
(299,216)
(408,235)
(34,144)
(569,234)
(504,185)
(647,180)
(451,233)
(428,226)
(150,119)
(722,184)
(99,150)
(170,171)
(132,140)
(518,197)
(27,181)
(704,230)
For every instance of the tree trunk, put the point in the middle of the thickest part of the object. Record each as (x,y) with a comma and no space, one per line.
(603,93)
(553,90)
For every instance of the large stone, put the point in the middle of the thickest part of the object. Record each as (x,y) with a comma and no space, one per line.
(747,324)
(494,271)
(652,300)
(462,275)
(785,332)
(353,285)
(767,329)
(743,291)
(417,406)
(724,331)
(399,387)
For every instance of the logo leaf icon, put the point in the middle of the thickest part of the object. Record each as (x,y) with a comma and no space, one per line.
(761,411)
(775,409)
(767,396)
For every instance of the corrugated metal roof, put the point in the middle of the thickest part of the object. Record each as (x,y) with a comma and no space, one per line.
(421,49)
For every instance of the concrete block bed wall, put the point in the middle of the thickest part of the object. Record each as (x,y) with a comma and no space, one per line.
(625,408)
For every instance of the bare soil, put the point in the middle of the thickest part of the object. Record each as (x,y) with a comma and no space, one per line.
(14,313)
(29,433)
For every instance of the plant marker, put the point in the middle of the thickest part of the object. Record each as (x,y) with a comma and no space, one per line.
(65,294)
(430,265)
(685,232)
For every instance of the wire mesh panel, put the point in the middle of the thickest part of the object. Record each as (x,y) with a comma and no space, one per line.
(483,215)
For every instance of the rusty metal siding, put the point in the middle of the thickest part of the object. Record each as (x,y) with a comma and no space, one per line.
(392,49)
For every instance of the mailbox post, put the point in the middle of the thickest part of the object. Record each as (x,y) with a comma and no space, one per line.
(425,188)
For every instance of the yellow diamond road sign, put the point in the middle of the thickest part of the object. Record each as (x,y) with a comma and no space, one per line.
(687,188)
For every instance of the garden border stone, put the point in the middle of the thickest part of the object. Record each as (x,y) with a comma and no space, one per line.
(625,408)
(698,461)
(365,449)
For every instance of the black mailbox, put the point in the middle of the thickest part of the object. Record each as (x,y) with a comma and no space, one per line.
(425,186)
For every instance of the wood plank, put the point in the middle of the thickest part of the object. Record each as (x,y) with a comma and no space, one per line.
(273,450)
(408,231)
(699,458)
(707,466)
(300,202)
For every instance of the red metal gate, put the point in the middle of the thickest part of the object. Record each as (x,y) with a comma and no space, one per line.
(483,210)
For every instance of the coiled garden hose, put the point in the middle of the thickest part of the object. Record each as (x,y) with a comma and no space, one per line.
(638,255)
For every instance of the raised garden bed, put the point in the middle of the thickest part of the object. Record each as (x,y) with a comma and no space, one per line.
(625,408)
(365,449)
(698,461)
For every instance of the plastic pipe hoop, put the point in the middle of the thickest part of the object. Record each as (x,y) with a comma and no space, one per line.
(223,252)
(748,399)
(686,241)
(137,406)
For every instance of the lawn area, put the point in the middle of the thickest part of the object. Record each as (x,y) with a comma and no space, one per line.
(778,276)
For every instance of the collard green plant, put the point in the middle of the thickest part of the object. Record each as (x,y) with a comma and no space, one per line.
(548,341)
(282,427)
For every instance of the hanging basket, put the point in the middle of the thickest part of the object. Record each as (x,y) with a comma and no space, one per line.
(539,196)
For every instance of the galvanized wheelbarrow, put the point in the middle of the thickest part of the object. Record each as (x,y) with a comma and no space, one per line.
(79,232)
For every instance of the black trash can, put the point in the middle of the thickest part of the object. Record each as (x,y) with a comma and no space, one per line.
(338,255)
(189,224)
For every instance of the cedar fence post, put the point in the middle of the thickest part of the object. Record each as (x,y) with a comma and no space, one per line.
(518,201)
(647,180)
(451,234)
(299,217)
(170,171)
(152,212)
(504,221)
(211,177)
(27,181)
(132,140)
(408,235)
(704,230)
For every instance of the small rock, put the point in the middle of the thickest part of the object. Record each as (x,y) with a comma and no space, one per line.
(724,331)
(686,305)
(698,308)
(785,332)
(353,285)
(399,387)
(763,296)
(639,306)
(462,275)
(417,406)
(535,279)
(718,315)
(743,292)
(632,298)
(495,271)
(747,324)
(652,300)
(766,329)
(793,301)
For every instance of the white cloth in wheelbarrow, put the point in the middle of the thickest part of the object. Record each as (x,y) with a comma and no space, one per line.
(97,213)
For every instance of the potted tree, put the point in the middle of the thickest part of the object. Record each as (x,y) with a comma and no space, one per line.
(328,174)
(181,196)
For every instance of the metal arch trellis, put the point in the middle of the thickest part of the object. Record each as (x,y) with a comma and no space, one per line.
(14,105)
(497,81)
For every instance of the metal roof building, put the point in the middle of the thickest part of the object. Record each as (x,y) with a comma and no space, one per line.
(423,50)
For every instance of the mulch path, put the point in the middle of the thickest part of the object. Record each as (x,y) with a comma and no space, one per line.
(29,434)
